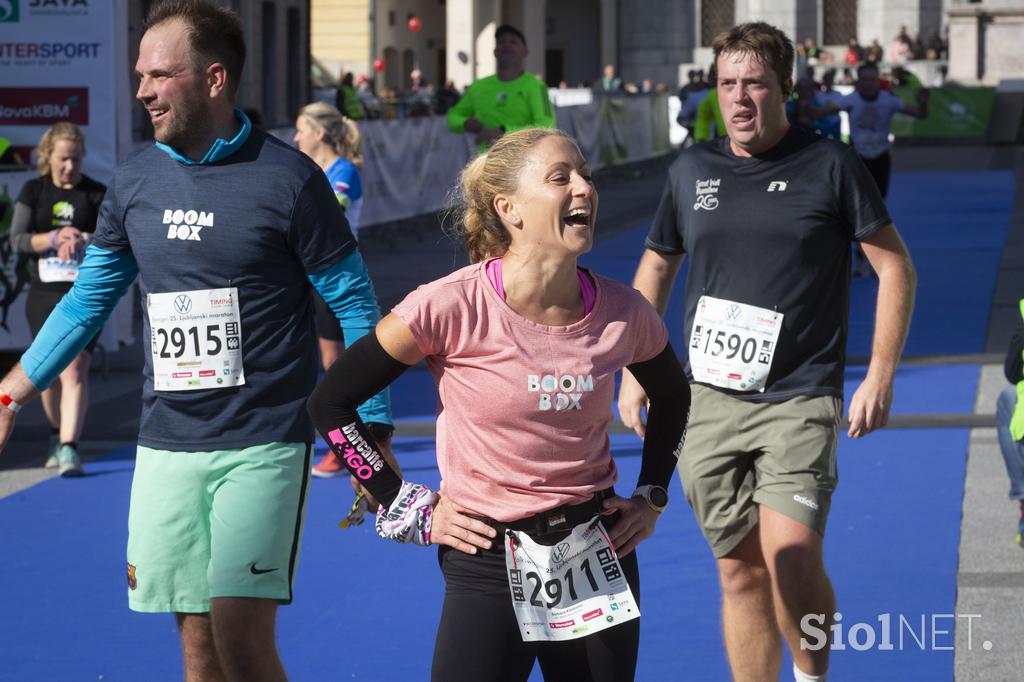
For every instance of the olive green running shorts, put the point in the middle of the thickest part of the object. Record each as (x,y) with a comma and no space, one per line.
(223,523)
(739,454)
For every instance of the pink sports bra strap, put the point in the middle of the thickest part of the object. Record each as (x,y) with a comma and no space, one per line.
(493,270)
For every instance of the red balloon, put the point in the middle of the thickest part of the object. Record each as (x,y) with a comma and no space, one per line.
(415,24)
(378,64)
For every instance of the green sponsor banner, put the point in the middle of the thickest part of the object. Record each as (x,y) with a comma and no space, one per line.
(952,112)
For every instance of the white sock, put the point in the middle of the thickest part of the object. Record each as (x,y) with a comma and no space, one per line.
(804,677)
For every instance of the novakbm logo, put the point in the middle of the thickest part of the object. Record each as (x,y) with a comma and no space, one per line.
(8,10)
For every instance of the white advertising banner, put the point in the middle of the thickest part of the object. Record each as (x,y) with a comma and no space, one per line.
(60,60)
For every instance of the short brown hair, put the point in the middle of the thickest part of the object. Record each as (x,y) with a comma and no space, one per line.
(214,34)
(769,45)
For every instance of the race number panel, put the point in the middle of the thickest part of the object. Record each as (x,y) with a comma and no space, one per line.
(53,269)
(197,339)
(570,589)
(733,344)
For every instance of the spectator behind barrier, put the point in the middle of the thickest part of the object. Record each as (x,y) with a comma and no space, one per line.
(854,52)
(709,121)
(347,100)
(445,98)
(510,100)
(608,82)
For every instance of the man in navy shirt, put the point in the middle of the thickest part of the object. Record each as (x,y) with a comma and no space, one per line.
(226,228)
(767,216)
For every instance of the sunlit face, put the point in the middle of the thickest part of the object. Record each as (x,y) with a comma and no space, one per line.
(66,163)
(752,103)
(509,50)
(173,92)
(556,200)
(308,137)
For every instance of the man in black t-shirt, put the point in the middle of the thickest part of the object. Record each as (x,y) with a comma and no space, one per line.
(767,216)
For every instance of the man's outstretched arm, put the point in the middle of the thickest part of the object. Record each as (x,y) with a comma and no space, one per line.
(103,278)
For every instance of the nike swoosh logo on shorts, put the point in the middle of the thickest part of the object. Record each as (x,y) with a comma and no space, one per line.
(260,571)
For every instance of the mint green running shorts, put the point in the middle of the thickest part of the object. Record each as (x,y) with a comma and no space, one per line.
(223,523)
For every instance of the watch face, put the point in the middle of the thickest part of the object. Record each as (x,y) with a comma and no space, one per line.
(658,496)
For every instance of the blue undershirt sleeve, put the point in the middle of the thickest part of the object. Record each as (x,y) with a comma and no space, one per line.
(346,288)
(103,278)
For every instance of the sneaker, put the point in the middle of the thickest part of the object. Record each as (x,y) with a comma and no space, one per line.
(51,452)
(69,462)
(329,467)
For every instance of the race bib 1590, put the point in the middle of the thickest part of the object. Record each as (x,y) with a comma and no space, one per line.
(732,344)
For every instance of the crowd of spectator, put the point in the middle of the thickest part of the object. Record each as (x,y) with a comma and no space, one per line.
(360,98)
(903,48)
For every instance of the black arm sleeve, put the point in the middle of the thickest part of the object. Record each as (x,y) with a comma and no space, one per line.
(363,370)
(1014,365)
(665,383)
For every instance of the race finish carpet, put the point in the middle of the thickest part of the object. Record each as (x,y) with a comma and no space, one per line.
(367,610)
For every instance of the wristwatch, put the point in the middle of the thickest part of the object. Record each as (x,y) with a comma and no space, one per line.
(655,496)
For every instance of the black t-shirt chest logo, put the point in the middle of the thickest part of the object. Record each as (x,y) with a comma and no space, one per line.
(707,194)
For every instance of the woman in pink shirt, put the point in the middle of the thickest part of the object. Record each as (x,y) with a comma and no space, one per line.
(535,546)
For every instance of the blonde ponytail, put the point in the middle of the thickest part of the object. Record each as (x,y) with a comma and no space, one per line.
(341,132)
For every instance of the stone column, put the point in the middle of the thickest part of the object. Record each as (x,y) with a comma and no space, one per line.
(469,39)
(534,28)
(965,44)
(610,33)
(487,18)
(460,41)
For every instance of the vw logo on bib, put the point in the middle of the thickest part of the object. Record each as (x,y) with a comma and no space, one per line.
(182,304)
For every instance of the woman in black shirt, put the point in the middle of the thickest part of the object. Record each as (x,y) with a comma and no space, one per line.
(54,218)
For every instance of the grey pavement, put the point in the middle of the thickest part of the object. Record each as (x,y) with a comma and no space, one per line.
(404,254)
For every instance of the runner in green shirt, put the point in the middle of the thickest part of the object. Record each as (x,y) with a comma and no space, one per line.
(510,100)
